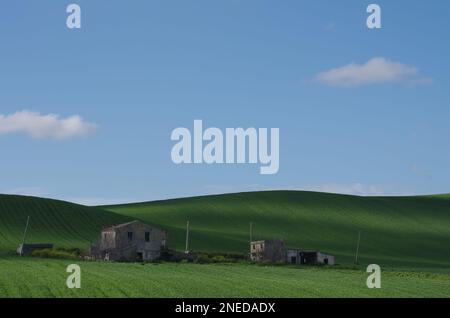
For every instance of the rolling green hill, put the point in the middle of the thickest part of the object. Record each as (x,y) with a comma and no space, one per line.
(406,232)
(408,236)
(51,221)
(409,232)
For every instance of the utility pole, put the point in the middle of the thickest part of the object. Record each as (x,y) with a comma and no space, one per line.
(357,247)
(187,238)
(24,235)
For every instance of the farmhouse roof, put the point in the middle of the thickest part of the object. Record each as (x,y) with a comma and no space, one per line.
(114,227)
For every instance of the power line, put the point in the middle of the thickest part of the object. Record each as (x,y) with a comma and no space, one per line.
(187,238)
(357,247)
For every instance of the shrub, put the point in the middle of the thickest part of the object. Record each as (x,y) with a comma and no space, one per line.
(54,253)
(73,250)
(207,258)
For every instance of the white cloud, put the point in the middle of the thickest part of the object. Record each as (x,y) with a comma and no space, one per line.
(45,126)
(376,71)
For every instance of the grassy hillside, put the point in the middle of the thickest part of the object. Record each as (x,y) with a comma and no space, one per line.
(28,277)
(51,221)
(408,236)
(408,232)
(412,232)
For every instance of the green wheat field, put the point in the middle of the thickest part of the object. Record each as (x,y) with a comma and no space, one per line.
(409,237)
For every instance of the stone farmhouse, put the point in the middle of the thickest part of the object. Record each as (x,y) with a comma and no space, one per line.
(133,241)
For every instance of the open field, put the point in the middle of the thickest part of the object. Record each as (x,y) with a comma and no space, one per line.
(409,237)
(31,277)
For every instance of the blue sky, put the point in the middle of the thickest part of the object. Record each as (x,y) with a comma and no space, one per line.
(138,70)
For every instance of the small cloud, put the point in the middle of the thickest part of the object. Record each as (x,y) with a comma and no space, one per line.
(378,70)
(50,126)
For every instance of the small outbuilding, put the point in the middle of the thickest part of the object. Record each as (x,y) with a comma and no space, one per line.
(309,257)
(132,241)
(275,251)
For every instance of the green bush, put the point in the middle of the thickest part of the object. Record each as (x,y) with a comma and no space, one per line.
(55,253)
(73,250)
(208,258)
(219,259)
(203,259)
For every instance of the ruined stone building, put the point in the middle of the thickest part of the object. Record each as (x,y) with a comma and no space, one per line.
(267,250)
(133,241)
(274,251)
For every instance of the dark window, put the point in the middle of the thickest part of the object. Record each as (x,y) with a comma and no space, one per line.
(130,236)
(147,236)
(325,261)
(293,259)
